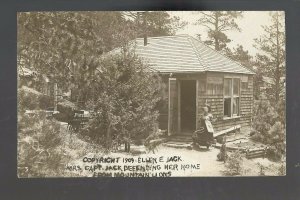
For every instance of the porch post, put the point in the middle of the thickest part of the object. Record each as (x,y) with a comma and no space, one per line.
(179,106)
(173,106)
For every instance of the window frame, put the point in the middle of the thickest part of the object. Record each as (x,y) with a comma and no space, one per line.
(232,96)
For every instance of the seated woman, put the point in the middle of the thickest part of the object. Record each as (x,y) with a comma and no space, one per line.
(204,135)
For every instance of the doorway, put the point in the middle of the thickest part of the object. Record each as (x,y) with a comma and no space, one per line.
(188,106)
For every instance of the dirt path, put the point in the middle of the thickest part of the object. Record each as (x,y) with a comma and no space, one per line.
(209,166)
(205,159)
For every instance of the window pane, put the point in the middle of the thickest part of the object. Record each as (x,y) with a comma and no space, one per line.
(235,106)
(227,87)
(227,107)
(236,86)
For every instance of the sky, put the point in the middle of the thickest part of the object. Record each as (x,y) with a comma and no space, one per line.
(250,24)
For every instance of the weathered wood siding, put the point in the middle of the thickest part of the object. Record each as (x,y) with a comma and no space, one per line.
(217,103)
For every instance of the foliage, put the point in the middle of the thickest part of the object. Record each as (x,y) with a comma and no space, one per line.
(276,140)
(217,23)
(234,164)
(66,46)
(280,107)
(262,169)
(39,146)
(268,129)
(29,99)
(154,140)
(270,125)
(271,60)
(240,55)
(154,23)
(264,116)
(282,169)
(124,100)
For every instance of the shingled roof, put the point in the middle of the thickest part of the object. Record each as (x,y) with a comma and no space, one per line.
(182,54)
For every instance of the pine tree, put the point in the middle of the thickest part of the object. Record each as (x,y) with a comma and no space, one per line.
(218,23)
(154,23)
(272,57)
(125,100)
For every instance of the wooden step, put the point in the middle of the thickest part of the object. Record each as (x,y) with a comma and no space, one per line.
(178,139)
(178,145)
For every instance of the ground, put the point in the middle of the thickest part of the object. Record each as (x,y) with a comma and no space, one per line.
(209,166)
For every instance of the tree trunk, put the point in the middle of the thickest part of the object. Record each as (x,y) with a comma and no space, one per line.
(127,147)
(217,44)
(108,138)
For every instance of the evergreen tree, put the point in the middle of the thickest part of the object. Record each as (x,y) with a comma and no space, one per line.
(66,46)
(218,23)
(241,56)
(125,100)
(155,23)
(271,58)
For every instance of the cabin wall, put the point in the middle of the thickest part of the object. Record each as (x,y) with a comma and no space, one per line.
(216,101)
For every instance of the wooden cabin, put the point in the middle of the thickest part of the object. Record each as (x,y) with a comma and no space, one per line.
(195,74)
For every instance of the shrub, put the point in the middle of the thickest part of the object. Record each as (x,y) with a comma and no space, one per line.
(282,169)
(39,146)
(45,102)
(269,129)
(124,101)
(234,164)
(30,99)
(154,140)
(264,116)
(276,140)
(27,101)
(262,169)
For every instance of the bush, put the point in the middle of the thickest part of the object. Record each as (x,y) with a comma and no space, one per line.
(264,116)
(269,129)
(45,102)
(282,169)
(39,146)
(30,99)
(27,101)
(124,101)
(154,140)
(234,164)
(276,140)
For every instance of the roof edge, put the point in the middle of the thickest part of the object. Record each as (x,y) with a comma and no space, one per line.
(250,71)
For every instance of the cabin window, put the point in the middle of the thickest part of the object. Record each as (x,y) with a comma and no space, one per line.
(231,97)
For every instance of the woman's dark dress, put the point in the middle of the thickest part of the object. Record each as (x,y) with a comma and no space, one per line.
(202,136)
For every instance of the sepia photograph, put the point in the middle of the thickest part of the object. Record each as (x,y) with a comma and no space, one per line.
(151,94)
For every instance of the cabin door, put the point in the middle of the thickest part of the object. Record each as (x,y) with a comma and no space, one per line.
(187,106)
